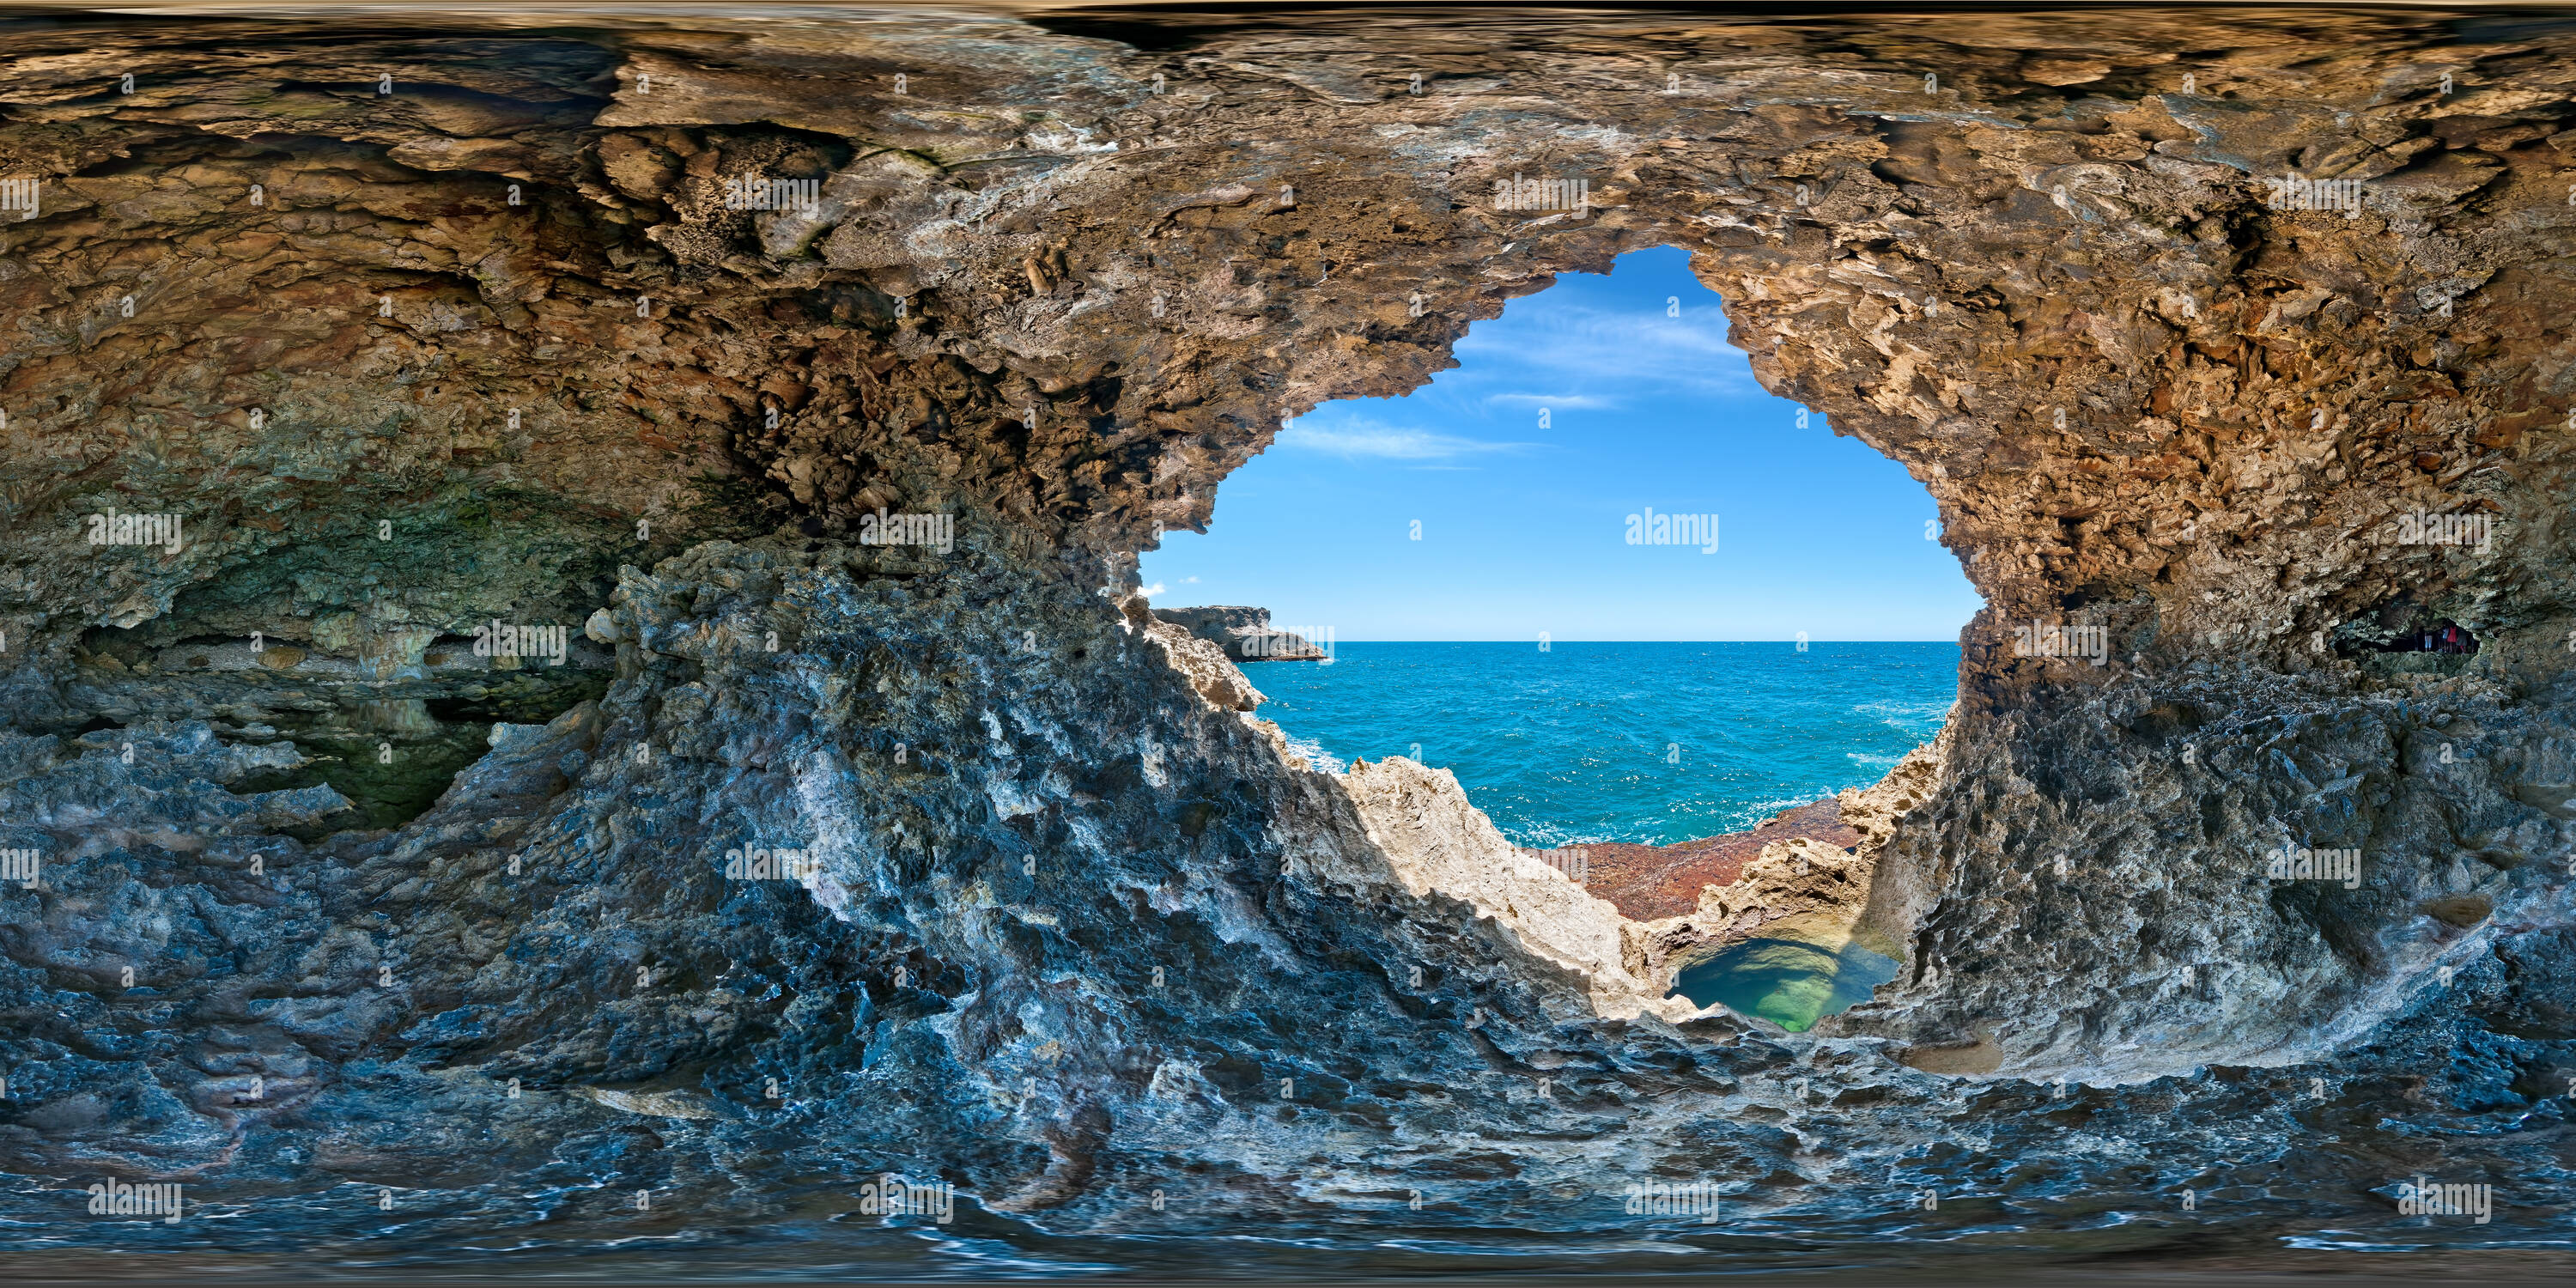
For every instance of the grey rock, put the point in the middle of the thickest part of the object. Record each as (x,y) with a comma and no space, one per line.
(1057,920)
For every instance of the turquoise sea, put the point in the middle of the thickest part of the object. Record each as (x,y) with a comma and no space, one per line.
(1651,743)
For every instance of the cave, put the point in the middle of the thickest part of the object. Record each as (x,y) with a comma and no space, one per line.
(819,383)
(1692,697)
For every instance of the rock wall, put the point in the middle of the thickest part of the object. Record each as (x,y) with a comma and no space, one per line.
(512,321)
(1244,633)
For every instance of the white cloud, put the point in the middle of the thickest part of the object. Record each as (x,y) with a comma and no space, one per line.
(1157,588)
(1357,437)
(1579,401)
(1618,350)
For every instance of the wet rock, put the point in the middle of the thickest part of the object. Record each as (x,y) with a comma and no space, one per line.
(853,490)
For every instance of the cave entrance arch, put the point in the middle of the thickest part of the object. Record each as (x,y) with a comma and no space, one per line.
(1653,617)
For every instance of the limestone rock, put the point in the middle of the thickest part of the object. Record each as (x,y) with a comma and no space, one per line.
(1209,669)
(1244,633)
(1064,925)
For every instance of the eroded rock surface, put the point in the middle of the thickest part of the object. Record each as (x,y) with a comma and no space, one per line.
(1244,633)
(512,321)
(1651,882)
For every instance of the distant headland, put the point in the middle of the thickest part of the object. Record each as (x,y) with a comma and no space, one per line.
(1244,633)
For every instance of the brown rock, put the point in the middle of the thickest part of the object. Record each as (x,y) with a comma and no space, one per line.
(1651,882)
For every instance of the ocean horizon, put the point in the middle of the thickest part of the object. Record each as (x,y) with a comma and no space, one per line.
(1649,742)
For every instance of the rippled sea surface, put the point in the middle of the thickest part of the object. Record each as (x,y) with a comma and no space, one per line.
(1650,743)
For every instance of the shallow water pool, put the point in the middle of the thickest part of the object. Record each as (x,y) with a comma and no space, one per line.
(1790,980)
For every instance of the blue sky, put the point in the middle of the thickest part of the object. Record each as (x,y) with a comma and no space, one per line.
(1524,525)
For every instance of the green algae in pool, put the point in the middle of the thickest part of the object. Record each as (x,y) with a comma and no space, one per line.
(1790,978)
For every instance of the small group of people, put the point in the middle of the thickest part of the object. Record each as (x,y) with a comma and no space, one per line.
(2446,636)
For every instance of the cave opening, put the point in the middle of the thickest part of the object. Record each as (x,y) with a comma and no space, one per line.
(2409,635)
(386,715)
(1652,617)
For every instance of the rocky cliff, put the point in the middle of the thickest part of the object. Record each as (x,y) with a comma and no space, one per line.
(1244,633)
(814,383)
